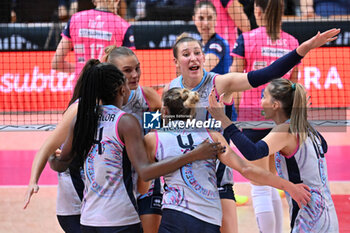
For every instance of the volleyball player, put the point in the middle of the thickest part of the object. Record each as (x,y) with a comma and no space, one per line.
(300,152)
(254,50)
(70,185)
(88,33)
(142,99)
(218,60)
(108,148)
(191,201)
(189,60)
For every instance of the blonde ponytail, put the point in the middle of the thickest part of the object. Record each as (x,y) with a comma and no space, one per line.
(294,103)
(108,51)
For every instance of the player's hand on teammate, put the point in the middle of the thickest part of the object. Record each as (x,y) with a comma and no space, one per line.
(207,150)
(301,194)
(318,40)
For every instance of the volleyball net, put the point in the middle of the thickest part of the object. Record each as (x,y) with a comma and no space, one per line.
(33,96)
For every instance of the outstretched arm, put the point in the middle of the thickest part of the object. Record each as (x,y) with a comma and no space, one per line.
(299,192)
(232,82)
(53,142)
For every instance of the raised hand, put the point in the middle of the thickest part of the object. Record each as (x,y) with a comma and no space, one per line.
(318,40)
(301,194)
(216,108)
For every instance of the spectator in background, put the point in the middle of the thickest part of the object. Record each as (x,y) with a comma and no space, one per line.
(230,16)
(257,49)
(66,8)
(88,33)
(164,9)
(324,8)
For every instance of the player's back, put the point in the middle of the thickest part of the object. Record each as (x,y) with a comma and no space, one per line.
(93,30)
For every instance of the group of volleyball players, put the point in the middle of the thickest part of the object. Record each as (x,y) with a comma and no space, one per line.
(105,152)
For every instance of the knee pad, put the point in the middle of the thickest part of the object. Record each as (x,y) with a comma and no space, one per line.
(262,200)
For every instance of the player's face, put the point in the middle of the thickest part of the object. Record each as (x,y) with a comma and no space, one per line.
(130,66)
(190,60)
(268,103)
(127,92)
(205,21)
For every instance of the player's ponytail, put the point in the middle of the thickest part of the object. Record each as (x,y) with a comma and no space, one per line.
(76,93)
(273,11)
(294,104)
(108,51)
(100,84)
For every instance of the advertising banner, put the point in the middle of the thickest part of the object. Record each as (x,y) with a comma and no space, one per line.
(27,82)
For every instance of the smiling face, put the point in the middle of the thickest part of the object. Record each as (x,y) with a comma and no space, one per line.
(205,21)
(190,60)
(130,66)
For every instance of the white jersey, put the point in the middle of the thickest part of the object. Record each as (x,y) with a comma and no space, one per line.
(137,104)
(191,189)
(224,173)
(109,198)
(68,201)
(308,166)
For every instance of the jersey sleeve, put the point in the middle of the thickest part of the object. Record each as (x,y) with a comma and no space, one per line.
(216,47)
(66,30)
(238,50)
(128,40)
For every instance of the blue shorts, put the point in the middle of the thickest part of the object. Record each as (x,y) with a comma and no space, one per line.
(150,205)
(69,223)
(226,192)
(176,222)
(135,228)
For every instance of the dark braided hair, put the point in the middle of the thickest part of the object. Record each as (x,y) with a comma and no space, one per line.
(100,83)
(76,93)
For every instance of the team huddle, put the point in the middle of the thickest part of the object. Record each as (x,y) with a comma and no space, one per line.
(116,176)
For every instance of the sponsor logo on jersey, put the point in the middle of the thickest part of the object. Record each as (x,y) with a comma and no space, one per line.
(273,52)
(95,34)
(216,46)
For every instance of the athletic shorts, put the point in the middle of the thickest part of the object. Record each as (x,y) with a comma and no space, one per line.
(69,223)
(177,222)
(226,192)
(150,205)
(135,228)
